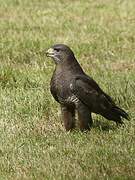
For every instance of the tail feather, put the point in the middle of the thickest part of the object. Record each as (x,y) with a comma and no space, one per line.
(121,112)
(116,114)
(113,112)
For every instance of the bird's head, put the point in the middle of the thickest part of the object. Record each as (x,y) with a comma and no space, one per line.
(60,53)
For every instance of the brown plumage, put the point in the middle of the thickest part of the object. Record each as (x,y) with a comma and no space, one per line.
(75,90)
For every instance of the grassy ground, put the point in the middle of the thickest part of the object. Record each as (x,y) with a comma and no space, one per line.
(34,144)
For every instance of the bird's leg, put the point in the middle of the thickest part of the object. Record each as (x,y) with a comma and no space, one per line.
(68,116)
(84,117)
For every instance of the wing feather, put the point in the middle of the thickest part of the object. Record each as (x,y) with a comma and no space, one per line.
(88,91)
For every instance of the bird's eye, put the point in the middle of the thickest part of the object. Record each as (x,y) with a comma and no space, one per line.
(57,50)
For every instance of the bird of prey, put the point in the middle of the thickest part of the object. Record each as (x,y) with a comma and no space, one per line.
(76,91)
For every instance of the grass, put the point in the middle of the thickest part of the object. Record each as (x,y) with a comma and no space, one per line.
(34,144)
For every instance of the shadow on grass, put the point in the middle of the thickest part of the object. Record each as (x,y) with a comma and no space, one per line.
(104,126)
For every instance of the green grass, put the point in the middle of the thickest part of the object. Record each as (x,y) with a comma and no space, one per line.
(34,144)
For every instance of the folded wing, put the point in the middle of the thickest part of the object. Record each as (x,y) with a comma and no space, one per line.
(90,94)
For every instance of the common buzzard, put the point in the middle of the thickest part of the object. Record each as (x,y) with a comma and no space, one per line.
(75,90)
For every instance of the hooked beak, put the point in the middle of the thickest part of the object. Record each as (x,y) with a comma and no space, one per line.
(50,52)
